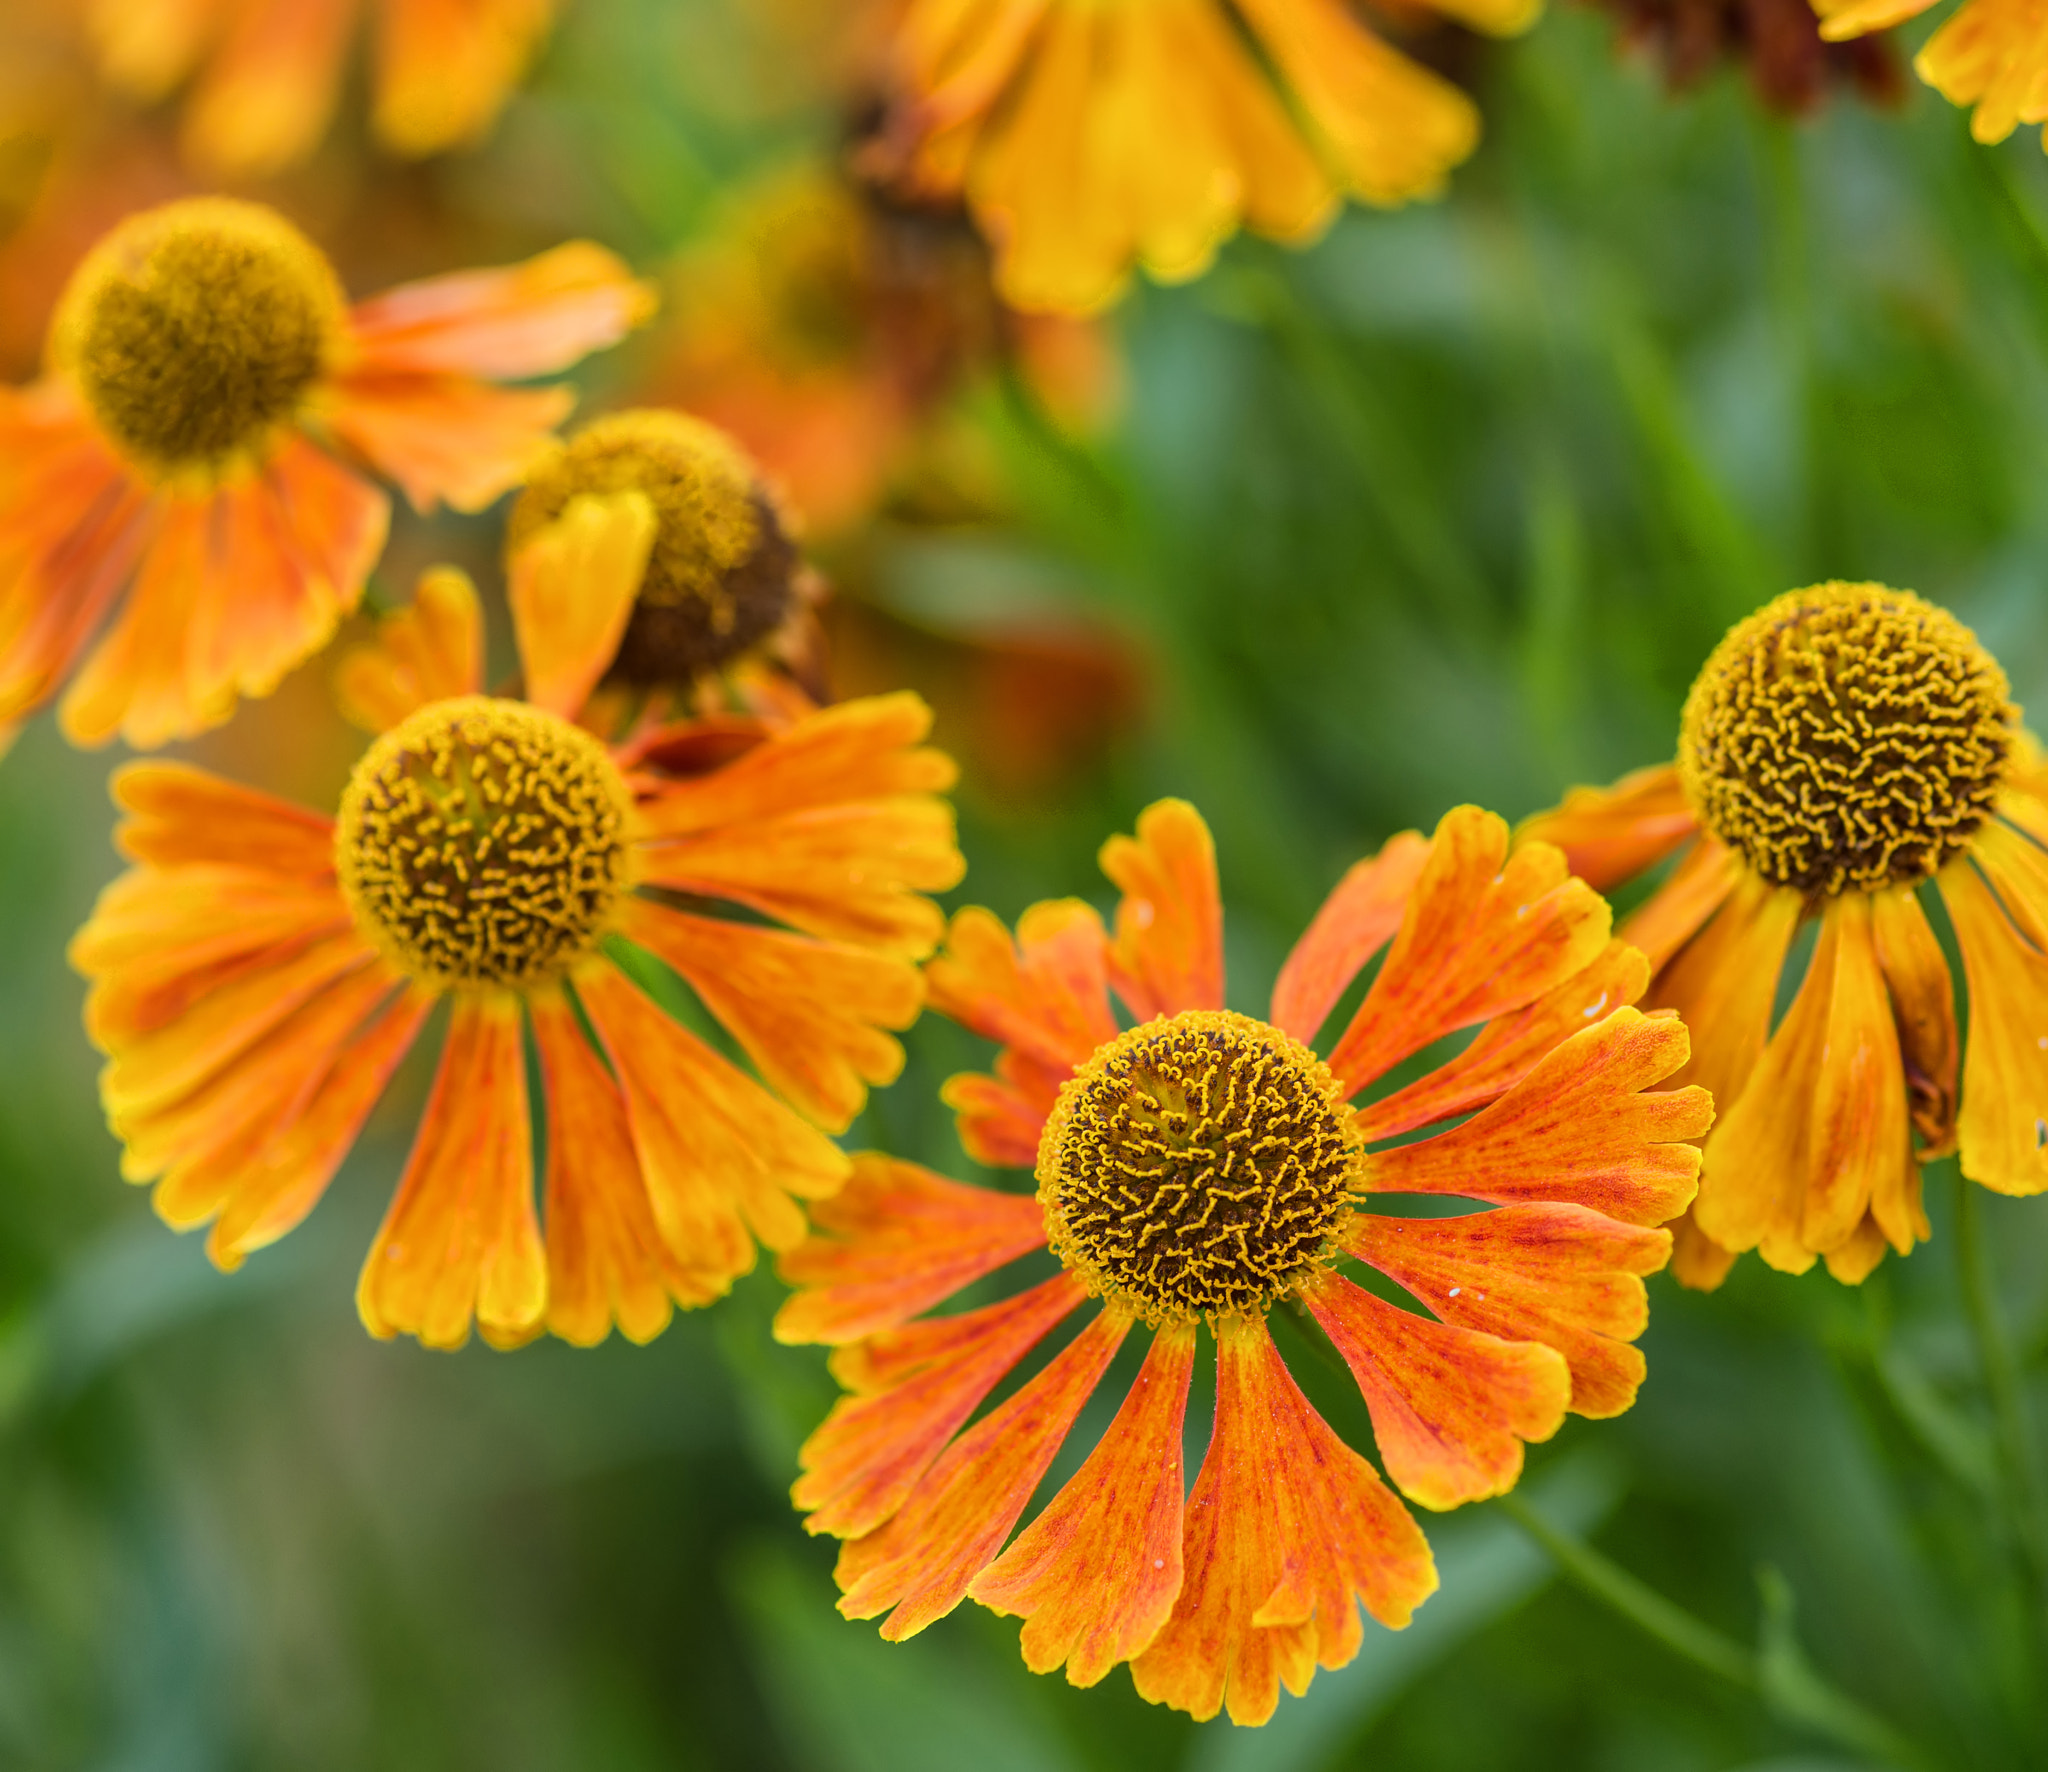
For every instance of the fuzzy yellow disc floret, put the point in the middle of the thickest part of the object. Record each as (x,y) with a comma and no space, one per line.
(195,330)
(1196,1166)
(721,575)
(484,842)
(1846,737)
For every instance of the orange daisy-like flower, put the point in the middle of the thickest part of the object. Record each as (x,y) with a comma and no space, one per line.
(269,70)
(1849,756)
(260,972)
(182,453)
(1089,138)
(1202,1166)
(1992,54)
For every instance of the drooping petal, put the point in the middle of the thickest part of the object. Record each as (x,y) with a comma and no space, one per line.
(896,1240)
(571,591)
(1355,922)
(1484,932)
(178,815)
(1001,1117)
(809,1013)
(1696,1259)
(1584,1127)
(1672,915)
(445,68)
(1725,982)
(269,87)
(461,1241)
(1288,1531)
(1566,1276)
(432,650)
(2002,1127)
(1923,1003)
(1450,1405)
(1168,953)
(1095,1576)
(1612,834)
(917,1564)
(446,439)
(915,1387)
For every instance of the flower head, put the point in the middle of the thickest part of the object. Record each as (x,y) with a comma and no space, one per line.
(261,971)
(1848,756)
(176,530)
(1200,1171)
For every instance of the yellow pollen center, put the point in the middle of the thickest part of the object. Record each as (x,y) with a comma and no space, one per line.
(195,330)
(1846,737)
(483,842)
(721,576)
(1196,1166)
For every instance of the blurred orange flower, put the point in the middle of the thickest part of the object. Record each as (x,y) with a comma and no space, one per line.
(1205,1166)
(200,358)
(1992,54)
(261,971)
(266,72)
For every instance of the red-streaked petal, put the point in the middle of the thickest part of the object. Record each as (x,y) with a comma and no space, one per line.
(1168,954)
(1677,911)
(920,1561)
(809,1013)
(1450,1406)
(1095,1576)
(1511,1046)
(2002,1128)
(1484,932)
(446,439)
(1288,1529)
(1046,995)
(1582,1127)
(431,650)
(868,1454)
(179,814)
(461,1241)
(895,1240)
(1001,1118)
(571,590)
(1609,835)
(1562,1275)
(1356,921)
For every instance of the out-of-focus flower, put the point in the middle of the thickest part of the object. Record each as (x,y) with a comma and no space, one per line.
(203,363)
(265,73)
(1204,1166)
(1088,139)
(1780,42)
(822,322)
(1844,750)
(261,971)
(1992,54)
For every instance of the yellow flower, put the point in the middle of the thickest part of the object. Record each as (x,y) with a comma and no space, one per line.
(1991,53)
(1848,756)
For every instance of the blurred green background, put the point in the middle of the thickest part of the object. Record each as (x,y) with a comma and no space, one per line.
(1448,508)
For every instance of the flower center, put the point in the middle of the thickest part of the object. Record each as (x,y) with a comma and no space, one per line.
(195,329)
(484,842)
(1196,1165)
(1846,737)
(721,575)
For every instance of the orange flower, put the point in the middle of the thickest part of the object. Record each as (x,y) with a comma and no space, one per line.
(1991,53)
(200,358)
(1089,138)
(1204,1166)
(1849,756)
(260,972)
(268,70)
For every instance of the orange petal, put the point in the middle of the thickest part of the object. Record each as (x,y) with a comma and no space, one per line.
(1853,1260)
(1562,1275)
(1583,1127)
(1510,1047)
(571,589)
(1697,1260)
(1001,1118)
(810,1014)
(2002,1128)
(1610,835)
(1450,1406)
(725,1162)
(432,650)
(269,88)
(1288,1529)
(1484,932)
(951,1525)
(446,438)
(536,318)
(145,47)
(1356,921)
(445,67)
(461,1239)
(606,1260)
(1923,1002)
(920,1383)
(1724,984)
(178,814)
(1677,911)
(1094,1577)
(1047,995)
(1168,954)
(895,1240)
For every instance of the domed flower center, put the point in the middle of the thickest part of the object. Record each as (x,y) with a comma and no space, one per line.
(1197,1165)
(484,842)
(1846,737)
(721,576)
(196,329)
